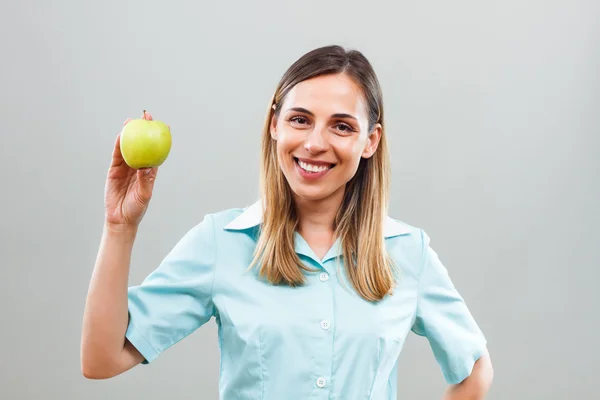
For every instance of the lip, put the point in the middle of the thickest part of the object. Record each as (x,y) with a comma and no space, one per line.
(315,162)
(310,176)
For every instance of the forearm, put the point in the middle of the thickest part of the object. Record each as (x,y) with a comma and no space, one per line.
(105,317)
(476,385)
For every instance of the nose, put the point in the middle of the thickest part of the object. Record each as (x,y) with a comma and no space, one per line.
(316,141)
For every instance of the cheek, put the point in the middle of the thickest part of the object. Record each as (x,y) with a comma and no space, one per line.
(286,141)
(350,151)
(285,147)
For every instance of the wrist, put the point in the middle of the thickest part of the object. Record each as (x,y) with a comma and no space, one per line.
(120,229)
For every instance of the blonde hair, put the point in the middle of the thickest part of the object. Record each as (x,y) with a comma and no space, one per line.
(360,220)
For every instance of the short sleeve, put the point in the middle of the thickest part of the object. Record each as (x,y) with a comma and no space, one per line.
(444,319)
(176,298)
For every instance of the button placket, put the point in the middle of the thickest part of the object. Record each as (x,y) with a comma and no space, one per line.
(325,312)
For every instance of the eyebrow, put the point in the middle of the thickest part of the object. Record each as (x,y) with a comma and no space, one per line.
(338,115)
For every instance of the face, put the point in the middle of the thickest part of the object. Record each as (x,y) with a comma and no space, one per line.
(322,134)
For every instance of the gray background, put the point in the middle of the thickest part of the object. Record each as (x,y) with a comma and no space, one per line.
(493,118)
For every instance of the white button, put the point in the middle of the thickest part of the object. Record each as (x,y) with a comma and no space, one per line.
(325,324)
(321,382)
(324,276)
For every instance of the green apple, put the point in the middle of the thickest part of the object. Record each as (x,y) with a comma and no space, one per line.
(145,143)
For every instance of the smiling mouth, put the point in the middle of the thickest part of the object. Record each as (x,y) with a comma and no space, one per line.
(313,168)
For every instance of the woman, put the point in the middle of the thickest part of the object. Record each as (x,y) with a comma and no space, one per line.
(314,288)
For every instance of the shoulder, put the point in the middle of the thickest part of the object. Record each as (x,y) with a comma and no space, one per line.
(203,239)
(222,218)
(405,243)
(222,224)
(399,231)
(217,221)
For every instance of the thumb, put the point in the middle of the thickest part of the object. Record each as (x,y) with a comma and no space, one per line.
(146,178)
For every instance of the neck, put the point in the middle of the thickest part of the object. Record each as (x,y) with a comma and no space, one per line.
(317,216)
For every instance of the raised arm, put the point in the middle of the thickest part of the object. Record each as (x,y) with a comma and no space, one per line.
(105,352)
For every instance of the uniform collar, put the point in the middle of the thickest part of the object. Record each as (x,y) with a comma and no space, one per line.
(252,216)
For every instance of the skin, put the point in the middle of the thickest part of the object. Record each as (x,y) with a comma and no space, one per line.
(316,134)
(104,350)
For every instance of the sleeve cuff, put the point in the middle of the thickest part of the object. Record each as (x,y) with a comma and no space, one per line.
(140,343)
(463,370)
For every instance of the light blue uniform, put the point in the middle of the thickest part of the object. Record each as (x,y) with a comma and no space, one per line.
(319,341)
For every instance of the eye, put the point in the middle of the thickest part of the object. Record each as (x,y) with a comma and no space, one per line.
(343,127)
(299,120)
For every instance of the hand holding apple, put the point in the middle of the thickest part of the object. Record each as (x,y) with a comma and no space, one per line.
(129,185)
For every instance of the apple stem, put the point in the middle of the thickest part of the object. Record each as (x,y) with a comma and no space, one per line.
(144,115)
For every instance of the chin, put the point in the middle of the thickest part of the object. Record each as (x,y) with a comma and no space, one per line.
(312,194)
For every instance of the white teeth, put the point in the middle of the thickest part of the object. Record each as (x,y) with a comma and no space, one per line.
(312,168)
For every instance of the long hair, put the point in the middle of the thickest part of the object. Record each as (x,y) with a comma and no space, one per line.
(360,220)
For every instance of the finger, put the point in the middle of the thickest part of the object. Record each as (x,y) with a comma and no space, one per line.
(146,178)
(147,116)
(117,157)
(126,121)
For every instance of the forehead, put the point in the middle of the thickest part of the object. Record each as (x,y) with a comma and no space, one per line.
(328,94)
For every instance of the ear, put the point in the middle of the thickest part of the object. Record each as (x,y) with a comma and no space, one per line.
(372,142)
(274,125)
